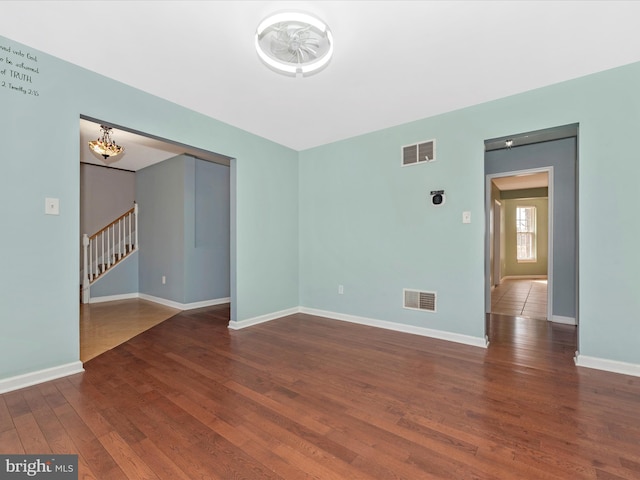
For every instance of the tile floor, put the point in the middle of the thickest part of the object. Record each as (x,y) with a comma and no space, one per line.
(521,297)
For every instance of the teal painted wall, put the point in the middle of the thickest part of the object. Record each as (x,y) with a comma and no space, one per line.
(365,222)
(39,285)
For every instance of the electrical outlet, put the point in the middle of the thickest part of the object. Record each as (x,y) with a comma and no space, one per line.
(466,217)
(52,206)
(164,280)
(340,289)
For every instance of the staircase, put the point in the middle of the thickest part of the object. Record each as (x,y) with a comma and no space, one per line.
(106,248)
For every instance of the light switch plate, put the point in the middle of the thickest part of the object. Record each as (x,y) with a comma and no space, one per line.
(466,217)
(52,206)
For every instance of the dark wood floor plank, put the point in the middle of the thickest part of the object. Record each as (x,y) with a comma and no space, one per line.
(16,404)
(126,458)
(10,442)
(161,465)
(30,434)
(307,397)
(192,449)
(6,423)
(84,408)
(87,444)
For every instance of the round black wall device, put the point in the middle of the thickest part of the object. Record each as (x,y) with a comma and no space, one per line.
(437,197)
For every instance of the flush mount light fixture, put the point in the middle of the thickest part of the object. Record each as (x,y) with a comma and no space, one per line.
(294,44)
(105,145)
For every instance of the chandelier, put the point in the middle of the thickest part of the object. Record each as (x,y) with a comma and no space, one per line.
(105,145)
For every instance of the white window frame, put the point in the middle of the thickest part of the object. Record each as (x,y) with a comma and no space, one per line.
(527,229)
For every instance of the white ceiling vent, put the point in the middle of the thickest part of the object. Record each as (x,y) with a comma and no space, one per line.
(417,300)
(419,153)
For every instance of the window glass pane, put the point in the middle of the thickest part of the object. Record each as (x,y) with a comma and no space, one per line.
(526,233)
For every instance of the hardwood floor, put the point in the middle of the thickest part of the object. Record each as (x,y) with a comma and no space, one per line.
(307,397)
(104,326)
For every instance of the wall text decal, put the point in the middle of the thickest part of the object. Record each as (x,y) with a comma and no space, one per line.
(19,70)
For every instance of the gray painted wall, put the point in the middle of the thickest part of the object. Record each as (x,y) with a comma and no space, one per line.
(160,192)
(121,279)
(207,254)
(561,154)
(184,230)
(105,194)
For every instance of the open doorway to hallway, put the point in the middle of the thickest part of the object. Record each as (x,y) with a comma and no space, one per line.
(520,244)
(172,254)
(512,286)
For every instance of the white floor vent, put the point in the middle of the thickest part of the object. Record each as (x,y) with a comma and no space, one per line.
(417,300)
(419,153)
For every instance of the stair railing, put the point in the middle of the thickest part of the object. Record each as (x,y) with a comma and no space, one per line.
(107,247)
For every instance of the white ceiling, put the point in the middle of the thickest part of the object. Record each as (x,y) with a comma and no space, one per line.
(395,61)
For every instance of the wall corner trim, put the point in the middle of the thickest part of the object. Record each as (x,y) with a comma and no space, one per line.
(240,324)
(399,327)
(39,376)
(607,365)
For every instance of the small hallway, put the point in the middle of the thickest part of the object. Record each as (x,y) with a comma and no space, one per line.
(522,297)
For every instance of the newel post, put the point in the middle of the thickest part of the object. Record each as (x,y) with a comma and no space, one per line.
(86,273)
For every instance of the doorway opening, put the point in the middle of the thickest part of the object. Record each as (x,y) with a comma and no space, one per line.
(531,227)
(520,243)
(183,231)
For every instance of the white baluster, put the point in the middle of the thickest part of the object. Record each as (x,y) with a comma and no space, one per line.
(135,212)
(121,223)
(130,246)
(103,261)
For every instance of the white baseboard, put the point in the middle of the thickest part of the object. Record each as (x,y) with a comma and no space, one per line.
(161,301)
(607,365)
(399,327)
(564,320)
(113,298)
(425,332)
(262,318)
(40,376)
(184,306)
